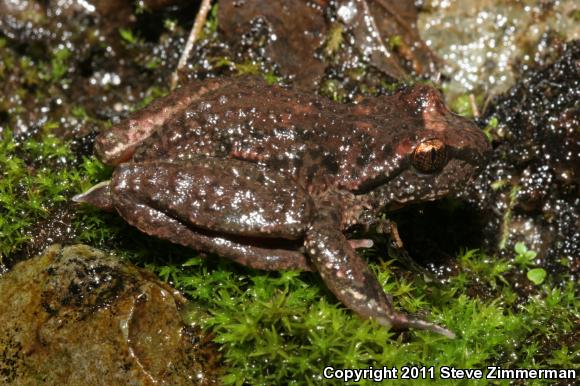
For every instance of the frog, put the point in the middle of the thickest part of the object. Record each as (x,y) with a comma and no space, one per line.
(274,178)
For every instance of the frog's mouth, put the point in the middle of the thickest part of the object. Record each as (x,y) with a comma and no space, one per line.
(410,186)
(404,202)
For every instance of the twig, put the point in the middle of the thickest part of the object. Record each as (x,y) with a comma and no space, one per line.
(200,20)
(473,104)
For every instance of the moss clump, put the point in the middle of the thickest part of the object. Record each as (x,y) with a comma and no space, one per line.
(37,176)
(285,327)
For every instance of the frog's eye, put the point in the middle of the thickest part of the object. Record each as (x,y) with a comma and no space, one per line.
(429,156)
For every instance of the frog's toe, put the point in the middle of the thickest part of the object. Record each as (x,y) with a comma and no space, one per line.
(99,196)
(402,321)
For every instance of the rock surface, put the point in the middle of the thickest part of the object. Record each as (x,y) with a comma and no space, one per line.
(76,316)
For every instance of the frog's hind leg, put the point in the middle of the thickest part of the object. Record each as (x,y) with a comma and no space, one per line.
(232,208)
(156,223)
(350,279)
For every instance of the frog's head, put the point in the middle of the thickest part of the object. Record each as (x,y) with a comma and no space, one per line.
(436,152)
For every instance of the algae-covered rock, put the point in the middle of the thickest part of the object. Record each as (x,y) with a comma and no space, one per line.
(75,316)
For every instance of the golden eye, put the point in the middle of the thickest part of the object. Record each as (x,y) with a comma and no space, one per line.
(429,156)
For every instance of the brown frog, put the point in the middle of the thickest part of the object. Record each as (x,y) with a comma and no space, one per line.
(271,177)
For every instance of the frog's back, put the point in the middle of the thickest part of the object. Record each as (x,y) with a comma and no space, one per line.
(309,137)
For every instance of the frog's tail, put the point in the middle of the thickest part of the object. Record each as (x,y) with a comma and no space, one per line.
(99,196)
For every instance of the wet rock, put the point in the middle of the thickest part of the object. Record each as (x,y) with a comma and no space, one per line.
(159,4)
(381,33)
(68,66)
(481,42)
(386,33)
(31,20)
(75,316)
(531,188)
(296,30)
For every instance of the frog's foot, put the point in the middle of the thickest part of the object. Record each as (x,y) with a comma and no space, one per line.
(396,246)
(350,279)
(398,250)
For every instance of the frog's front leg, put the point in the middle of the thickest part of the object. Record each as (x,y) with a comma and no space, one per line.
(232,208)
(349,277)
(371,220)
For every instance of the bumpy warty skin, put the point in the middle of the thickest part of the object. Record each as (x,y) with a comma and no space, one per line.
(271,177)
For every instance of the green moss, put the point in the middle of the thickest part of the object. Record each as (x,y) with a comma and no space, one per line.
(537,275)
(465,104)
(247,68)
(128,36)
(59,64)
(211,24)
(331,88)
(334,39)
(285,327)
(524,257)
(462,106)
(34,180)
(395,41)
(491,128)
